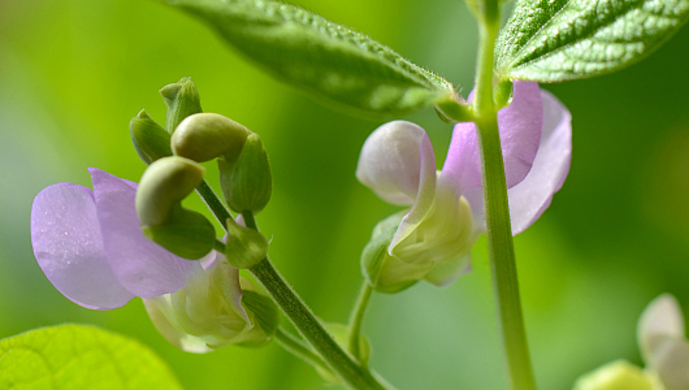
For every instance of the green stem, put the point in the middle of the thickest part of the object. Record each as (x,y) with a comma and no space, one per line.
(357,320)
(213,203)
(299,349)
(308,325)
(337,360)
(311,329)
(499,230)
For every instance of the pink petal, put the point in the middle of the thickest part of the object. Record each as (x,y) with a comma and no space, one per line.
(390,162)
(530,198)
(520,133)
(68,245)
(141,266)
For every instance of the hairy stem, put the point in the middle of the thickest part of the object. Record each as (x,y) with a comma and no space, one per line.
(499,230)
(299,349)
(213,203)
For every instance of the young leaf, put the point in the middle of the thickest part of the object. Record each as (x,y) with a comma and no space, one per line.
(558,40)
(322,57)
(80,357)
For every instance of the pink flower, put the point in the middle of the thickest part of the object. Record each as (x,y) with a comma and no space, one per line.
(432,240)
(90,246)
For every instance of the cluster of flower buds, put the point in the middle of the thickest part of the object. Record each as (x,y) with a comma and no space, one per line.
(175,155)
(208,312)
(102,248)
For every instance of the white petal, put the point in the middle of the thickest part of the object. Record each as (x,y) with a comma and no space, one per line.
(670,359)
(425,196)
(390,161)
(662,317)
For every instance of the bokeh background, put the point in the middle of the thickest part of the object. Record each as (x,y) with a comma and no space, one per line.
(73,72)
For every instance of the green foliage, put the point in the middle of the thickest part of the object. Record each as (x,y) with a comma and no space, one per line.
(551,41)
(80,357)
(322,57)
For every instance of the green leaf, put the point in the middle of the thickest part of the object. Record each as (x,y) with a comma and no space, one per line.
(558,40)
(80,357)
(322,57)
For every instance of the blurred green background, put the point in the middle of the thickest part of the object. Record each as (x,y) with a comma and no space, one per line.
(73,72)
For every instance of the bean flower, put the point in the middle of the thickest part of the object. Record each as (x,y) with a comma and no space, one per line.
(664,348)
(90,246)
(432,240)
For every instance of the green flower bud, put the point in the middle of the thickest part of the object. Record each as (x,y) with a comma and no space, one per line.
(162,188)
(618,375)
(150,140)
(203,137)
(247,184)
(244,247)
(182,99)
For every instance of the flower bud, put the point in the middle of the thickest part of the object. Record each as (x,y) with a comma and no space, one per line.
(163,186)
(150,140)
(247,184)
(182,99)
(214,309)
(618,375)
(245,247)
(203,137)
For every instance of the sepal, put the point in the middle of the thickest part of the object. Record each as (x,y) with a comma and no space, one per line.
(375,257)
(265,317)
